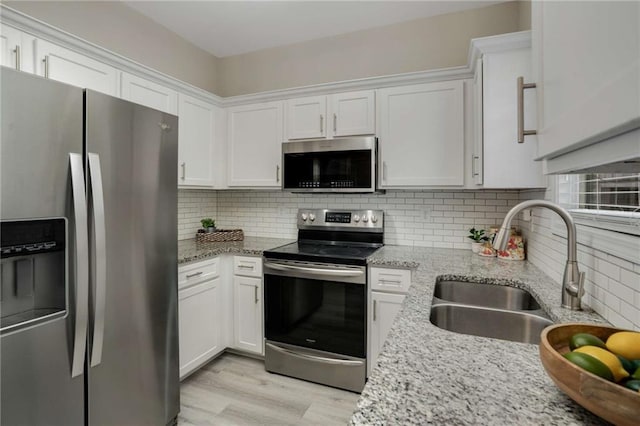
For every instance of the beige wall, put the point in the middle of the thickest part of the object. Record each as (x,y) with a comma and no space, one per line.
(422,44)
(525,15)
(127,32)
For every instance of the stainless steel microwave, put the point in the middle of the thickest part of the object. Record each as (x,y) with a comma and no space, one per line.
(333,165)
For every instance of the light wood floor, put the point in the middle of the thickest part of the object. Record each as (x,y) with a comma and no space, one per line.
(236,390)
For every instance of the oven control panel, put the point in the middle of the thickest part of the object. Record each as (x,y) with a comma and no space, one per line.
(324,218)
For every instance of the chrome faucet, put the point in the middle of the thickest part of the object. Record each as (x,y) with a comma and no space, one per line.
(573,280)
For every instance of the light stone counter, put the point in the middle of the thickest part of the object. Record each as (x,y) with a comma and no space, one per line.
(427,375)
(190,250)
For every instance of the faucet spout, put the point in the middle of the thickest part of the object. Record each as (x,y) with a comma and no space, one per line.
(573,279)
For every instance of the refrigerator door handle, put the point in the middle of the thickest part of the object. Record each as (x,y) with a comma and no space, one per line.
(100,250)
(81,264)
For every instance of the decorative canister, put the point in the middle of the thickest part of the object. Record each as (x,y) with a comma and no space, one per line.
(515,249)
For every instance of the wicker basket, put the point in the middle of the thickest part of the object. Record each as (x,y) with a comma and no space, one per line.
(220,235)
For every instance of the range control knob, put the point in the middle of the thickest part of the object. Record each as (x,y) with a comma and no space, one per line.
(365,219)
(304,216)
(356,218)
(312,217)
(374,219)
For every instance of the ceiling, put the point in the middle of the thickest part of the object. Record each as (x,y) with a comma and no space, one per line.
(226,28)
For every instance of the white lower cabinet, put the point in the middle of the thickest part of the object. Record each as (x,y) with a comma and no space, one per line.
(247,304)
(200,318)
(388,290)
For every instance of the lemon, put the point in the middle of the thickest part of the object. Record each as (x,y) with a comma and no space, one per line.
(607,358)
(625,343)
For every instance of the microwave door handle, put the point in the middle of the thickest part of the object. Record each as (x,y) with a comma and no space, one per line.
(81,264)
(315,271)
(97,201)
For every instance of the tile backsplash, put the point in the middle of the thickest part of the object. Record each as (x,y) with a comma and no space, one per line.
(420,218)
(612,285)
(194,205)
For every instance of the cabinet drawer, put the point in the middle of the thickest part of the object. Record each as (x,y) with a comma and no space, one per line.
(249,266)
(393,280)
(198,272)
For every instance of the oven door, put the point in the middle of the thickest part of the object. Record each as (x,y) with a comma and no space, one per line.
(316,306)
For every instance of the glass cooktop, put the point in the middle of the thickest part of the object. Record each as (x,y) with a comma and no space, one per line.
(318,252)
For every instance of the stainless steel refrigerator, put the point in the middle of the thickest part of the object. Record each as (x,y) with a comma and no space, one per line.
(88,213)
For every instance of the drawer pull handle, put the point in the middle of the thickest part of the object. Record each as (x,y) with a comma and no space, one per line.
(195,274)
(245,266)
(375,304)
(255,293)
(382,280)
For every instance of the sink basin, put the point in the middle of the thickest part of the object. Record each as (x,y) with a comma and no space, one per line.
(487,295)
(487,322)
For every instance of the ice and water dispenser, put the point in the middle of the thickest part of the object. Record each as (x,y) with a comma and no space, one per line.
(33,271)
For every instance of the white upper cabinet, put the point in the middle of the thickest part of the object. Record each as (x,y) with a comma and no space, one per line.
(254,145)
(421,135)
(306,117)
(587,71)
(67,66)
(338,115)
(149,94)
(499,161)
(353,113)
(196,142)
(16,49)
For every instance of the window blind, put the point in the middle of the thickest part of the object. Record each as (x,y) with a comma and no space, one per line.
(604,200)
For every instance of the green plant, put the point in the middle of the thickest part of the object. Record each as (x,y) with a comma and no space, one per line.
(208,223)
(477,235)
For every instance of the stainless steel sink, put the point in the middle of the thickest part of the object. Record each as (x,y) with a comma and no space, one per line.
(487,295)
(487,322)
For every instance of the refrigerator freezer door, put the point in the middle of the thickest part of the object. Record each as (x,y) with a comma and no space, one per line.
(41,125)
(134,380)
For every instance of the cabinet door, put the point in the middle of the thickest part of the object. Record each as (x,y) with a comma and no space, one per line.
(306,117)
(384,308)
(200,321)
(587,61)
(421,135)
(67,66)
(255,145)
(507,163)
(149,94)
(248,334)
(353,113)
(196,142)
(11,47)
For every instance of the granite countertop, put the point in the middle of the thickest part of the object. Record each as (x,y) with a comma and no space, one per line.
(425,374)
(190,250)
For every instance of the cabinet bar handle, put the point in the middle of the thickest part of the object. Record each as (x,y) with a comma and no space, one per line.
(195,274)
(321,123)
(255,293)
(245,266)
(184,170)
(375,304)
(382,280)
(277,173)
(473,165)
(335,123)
(46,66)
(17,50)
(384,171)
(521,131)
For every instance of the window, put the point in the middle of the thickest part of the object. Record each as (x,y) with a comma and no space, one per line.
(603,200)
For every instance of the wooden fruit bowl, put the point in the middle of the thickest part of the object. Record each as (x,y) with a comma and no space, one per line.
(611,401)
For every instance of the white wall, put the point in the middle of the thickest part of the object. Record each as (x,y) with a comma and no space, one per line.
(420,218)
(123,30)
(422,44)
(612,284)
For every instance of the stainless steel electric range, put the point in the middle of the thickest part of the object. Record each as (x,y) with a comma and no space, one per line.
(316,297)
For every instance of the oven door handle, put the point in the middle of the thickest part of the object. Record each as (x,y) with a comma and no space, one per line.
(325,360)
(316,271)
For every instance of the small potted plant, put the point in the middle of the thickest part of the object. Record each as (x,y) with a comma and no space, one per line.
(479,239)
(208,224)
